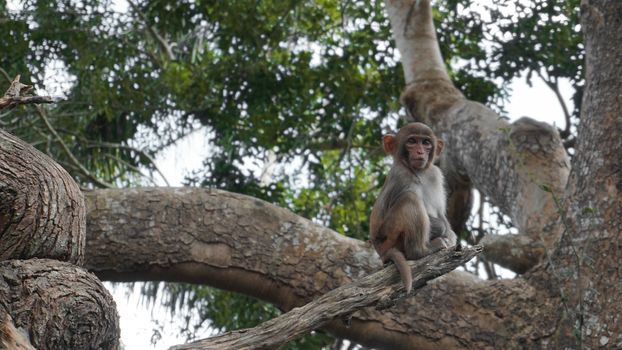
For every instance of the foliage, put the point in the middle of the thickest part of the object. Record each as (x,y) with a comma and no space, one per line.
(542,38)
(306,87)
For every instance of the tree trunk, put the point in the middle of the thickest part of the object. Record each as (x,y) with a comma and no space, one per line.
(46,303)
(42,212)
(59,305)
(586,263)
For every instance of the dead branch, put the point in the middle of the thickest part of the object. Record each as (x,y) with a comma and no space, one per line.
(17,94)
(381,289)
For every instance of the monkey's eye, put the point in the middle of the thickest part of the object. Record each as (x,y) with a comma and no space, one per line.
(427,142)
(411,141)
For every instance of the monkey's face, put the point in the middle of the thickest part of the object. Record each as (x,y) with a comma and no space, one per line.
(415,146)
(418,151)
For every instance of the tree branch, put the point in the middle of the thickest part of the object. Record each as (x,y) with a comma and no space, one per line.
(17,92)
(382,289)
(59,305)
(70,154)
(53,225)
(242,244)
(164,45)
(553,84)
(518,253)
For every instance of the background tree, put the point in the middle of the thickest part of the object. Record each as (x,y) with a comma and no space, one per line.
(315,84)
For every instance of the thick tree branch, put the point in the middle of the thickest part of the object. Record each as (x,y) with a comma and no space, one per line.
(242,244)
(382,289)
(42,215)
(59,305)
(42,212)
(517,253)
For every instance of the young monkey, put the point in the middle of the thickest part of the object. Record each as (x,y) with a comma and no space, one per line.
(408,219)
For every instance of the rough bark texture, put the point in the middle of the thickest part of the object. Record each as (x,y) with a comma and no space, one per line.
(42,212)
(588,258)
(242,244)
(45,303)
(224,239)
(61,306)
(379,289)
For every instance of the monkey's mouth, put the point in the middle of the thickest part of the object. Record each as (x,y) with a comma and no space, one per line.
(418,163)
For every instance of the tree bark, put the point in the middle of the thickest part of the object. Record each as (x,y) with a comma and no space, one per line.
(381,289)
(59,305)
(586,263)
(42,212)
(245,245)
(45,303)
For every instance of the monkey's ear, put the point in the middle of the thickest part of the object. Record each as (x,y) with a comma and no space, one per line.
(388,143)
(439,146)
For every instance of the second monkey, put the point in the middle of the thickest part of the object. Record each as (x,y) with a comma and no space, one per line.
(411,199)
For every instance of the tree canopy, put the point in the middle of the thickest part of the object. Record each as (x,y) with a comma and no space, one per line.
(314,84)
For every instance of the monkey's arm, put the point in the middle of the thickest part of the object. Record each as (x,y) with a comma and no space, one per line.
(441,234)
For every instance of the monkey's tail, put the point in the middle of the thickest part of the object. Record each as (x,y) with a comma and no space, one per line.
(400,262)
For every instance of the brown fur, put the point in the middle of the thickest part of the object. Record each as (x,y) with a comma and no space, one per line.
(400,218)
(426,99)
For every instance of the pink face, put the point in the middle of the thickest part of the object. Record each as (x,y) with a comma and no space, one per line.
(419,148)
(415,146)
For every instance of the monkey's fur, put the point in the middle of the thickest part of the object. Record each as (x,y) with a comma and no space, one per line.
(411,201)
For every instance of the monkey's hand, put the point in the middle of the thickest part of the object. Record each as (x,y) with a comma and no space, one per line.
(441,243)
(438,227)
(437,244)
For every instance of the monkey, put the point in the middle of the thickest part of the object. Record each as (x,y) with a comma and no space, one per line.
(408,219)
